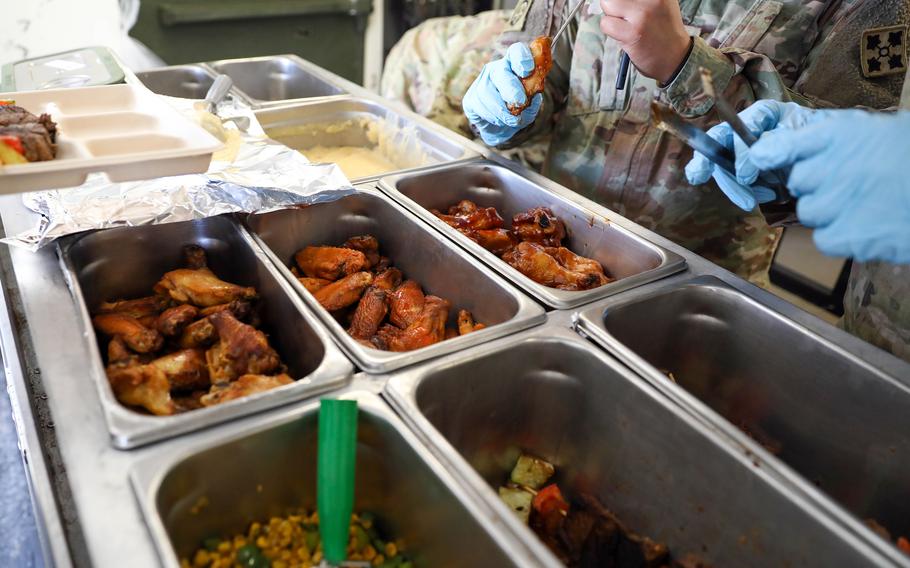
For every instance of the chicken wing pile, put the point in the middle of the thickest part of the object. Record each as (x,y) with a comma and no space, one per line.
(379,307)
(192,344)
(533,245)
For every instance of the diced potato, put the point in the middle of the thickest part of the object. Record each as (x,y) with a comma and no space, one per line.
(518,500)
(10,156)
(532,472)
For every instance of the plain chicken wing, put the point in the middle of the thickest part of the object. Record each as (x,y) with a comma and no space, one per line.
(201,288)
(139,308)
(368,245)
(135,384)
(241,350)
(186,370)
(581,264)
(241,309)
(330,263)
(344,292)
(194,257)
(534,262)
(244,386)
(136,336)
(539,225)
(427,329)
(406,304)
(313,284)
(200,333)
(369,314)
(388,279)
(172,321)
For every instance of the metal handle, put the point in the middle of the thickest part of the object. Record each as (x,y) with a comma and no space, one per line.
(219,89)
(180,14)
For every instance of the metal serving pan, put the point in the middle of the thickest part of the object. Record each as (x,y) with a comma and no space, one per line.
(343,122)
(277,78)
(438,266)
(839,422)
(184,81)
(270,468)
(126,263)
(627,257)
(664,473)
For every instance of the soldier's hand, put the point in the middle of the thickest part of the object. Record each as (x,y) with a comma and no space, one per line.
(650,31)
(499,85)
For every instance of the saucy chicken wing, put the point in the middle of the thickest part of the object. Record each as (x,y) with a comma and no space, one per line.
(136,336)
(541,51)
(428,328)
(344,292)
(580,264)
(330,263)
(369,314)
(186,370)
(172,321)
(388,279)
(368,245)
(497,241)
(406,304)
(244,386)
(466,323)
(533,261)
(539,225)
(241,350)
(313,284)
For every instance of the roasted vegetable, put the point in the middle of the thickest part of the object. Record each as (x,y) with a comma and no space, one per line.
(532,472)
(11,151)
(519,500)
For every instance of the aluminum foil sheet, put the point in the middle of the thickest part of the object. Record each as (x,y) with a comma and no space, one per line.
(252,173)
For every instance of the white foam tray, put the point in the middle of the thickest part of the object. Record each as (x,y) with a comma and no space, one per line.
(125,131)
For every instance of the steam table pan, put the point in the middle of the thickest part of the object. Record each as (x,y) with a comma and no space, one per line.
(125,263)
(783,392)
(627,257)
(437,265)
(280,78)
(269,468)
(610,435)
(184,81)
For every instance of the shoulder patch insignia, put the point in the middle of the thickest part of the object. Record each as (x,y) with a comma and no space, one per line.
(883,51)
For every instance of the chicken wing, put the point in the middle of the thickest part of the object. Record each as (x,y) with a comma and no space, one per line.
(406,304)
(135,384)
(369,314)
(139,308)
(186,370)
(466,323)
(313,284)
(580,264)
(463,207)
(533,261)
(480,219)
(172,321)
(497,241)
(244,386)
(194,257)
(200,333)
(539,225)
(330,263)
(241,350)
(344,292)
(541,51)
(241,309)
(136,336)
(388,279)
(201,288)
(427,329)
(368,245)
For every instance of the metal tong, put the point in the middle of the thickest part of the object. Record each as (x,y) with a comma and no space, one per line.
(623,73)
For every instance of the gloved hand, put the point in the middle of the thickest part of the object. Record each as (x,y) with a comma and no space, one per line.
(761,117)
(498,85)
(850,176)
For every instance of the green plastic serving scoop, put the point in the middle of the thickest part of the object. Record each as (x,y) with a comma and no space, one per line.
(337,456)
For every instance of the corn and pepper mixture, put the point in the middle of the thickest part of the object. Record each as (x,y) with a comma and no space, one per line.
(293,542)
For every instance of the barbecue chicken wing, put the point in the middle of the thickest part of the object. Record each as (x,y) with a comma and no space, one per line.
(368,245)
(186,370)
(313,284)
(406,304)
(330,263)
(172,321)
(241,350)
(428,328)
(466,323)
(497,241)
(533,261)
(539,225)
(541,51)
(344,292)
(136,336)
(244,386)
(201,288)
(583,265)
(135,384)
(369,314)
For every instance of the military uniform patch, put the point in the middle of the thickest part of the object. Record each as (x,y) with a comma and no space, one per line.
(883,51)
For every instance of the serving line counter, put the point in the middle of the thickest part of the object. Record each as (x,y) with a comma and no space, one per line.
(96,503)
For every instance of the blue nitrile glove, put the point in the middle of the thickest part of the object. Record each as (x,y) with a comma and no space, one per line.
(850,176)
(761,117)
(498,85)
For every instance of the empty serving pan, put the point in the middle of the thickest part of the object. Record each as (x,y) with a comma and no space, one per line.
(626,257)
(277,78)
(125,263)
(775,386)
(380,139)
(437,265)
(666,475)
(268,468)
(184,81)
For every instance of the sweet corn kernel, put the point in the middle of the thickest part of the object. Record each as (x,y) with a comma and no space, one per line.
(201,558)
(255,528)
(369,553)
(378,560)
(261,542)
(279,564)
(391,550)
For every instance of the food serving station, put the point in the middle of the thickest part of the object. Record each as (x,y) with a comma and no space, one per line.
(705,412)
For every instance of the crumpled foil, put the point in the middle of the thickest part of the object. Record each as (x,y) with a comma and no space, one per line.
(263,176)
